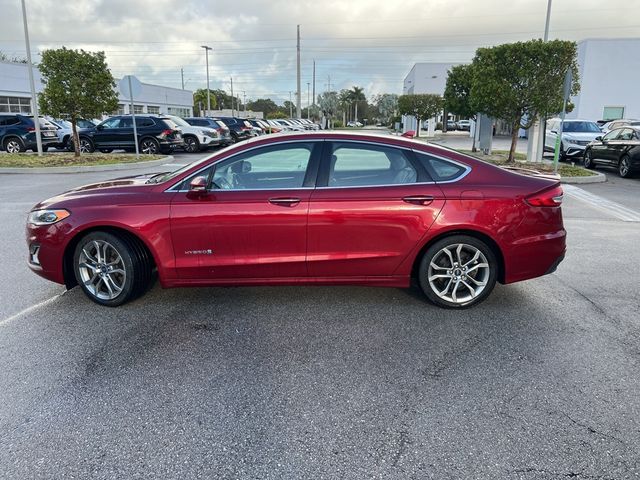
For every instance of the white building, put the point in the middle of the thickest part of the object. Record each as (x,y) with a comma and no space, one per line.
(608,79)
(15,94)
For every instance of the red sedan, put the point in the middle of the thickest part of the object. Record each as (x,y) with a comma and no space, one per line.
(309,208)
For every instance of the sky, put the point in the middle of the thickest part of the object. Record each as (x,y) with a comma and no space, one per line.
(369,43)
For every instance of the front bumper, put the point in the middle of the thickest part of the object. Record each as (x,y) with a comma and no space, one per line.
(45,250)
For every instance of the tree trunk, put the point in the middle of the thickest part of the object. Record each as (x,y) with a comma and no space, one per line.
(76,138)
(514,142)
(475,134)
(418,120)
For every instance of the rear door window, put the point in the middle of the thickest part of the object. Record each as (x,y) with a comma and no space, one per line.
(441,170)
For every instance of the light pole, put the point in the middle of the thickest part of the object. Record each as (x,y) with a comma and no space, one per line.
(308,100)
(290,106)
(206,54)
(34,99)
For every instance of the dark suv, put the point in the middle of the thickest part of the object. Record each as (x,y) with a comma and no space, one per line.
(240,128)
(18,133)
(221,128)
(155,134)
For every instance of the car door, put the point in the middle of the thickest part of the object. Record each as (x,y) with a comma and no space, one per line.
(372,205)
(106,134)
(603,151)
(124,134)
(252,221)
(620,145)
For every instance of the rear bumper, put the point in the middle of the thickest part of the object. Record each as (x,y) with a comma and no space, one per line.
(534,256)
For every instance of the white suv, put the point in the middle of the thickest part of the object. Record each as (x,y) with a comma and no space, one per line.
(576,135)
(196,138)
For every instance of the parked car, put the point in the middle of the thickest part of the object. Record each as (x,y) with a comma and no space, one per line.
(156,133)
(620,148)
(18,133)
(612,125)
(196,139)
(452,125)
(65,130)
(576,135)
(313,208)
(217,125)
(239,128)
(464,125)
(354,124)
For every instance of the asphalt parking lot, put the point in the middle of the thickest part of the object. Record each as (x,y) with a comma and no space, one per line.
(540,381)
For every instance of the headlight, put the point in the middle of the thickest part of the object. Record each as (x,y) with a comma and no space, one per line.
(47,217)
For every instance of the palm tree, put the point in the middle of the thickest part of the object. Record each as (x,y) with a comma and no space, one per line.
(355,95)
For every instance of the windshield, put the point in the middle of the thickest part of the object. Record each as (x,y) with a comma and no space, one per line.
(580,127)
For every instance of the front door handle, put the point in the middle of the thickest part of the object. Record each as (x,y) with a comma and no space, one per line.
(285,201)
(418,199)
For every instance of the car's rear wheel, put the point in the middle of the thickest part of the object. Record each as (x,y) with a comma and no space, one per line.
(588,160)
(458,271)
(13,145)
(624,167)
(85,145)
(149,146)
(111,269)
(191,144)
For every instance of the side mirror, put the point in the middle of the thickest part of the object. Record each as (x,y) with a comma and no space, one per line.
(599,138)
(198,186)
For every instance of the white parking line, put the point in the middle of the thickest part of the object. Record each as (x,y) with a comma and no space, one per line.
(607,206)
(15,316)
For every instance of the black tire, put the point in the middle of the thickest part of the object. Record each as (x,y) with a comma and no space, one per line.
(86,145)
(13,145)
(45,148)
(624,167)
(588,160)
(135,262)
(149,146)
(106,150)
(444,292)
(191,144)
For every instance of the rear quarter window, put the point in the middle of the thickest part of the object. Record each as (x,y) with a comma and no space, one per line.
(441,170)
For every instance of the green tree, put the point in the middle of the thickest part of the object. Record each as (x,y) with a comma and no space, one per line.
(329,104)
(200,100)
(520,82)
(358,100)
(421,106)
(77,84)
(457,94)
(265,105)
(387,104)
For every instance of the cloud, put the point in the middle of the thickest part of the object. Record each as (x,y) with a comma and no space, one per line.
(360,42)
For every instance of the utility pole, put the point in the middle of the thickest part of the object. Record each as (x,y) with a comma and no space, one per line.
(182,76)
(308,101)
(232,110)
(298,99)
(34,99)
(290,105)
(244,101)
(314,83)
(206,52)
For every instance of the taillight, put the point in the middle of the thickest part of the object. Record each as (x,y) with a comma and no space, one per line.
(547,198)
(167,132)
(31,129)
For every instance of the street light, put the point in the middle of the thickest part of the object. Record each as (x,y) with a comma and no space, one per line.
(308,101)
(206,50)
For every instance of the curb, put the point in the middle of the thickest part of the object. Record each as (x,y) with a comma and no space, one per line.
(597,178)
(87,168)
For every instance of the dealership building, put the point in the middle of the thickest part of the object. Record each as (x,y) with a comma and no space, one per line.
(15,94)
(608,84)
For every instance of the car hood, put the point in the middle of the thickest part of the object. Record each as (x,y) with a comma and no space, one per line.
(580,135)
(109,187)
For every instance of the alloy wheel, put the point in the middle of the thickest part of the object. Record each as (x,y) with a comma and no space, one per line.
(190,145)
(624,167)
(85,146)
(588,162)
(102,270)
(458,273)
(149,147)
(13,146)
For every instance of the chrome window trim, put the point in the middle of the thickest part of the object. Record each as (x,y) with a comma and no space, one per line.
(379,186)
(459,177)
(170,189)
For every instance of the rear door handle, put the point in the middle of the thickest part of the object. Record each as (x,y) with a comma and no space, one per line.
(418,199)
(285,201)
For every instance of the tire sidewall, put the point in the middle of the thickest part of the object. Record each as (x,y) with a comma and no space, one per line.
(435,248)
(193,147)
(124,250)
(628,174)
(149,139)
(588,159)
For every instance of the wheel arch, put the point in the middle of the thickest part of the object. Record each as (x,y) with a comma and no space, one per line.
(67,258)
(491,243)
(9,137)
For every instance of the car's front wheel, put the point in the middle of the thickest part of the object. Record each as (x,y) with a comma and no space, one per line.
(458,271)
(588,160)
(191,144)
(111,269)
